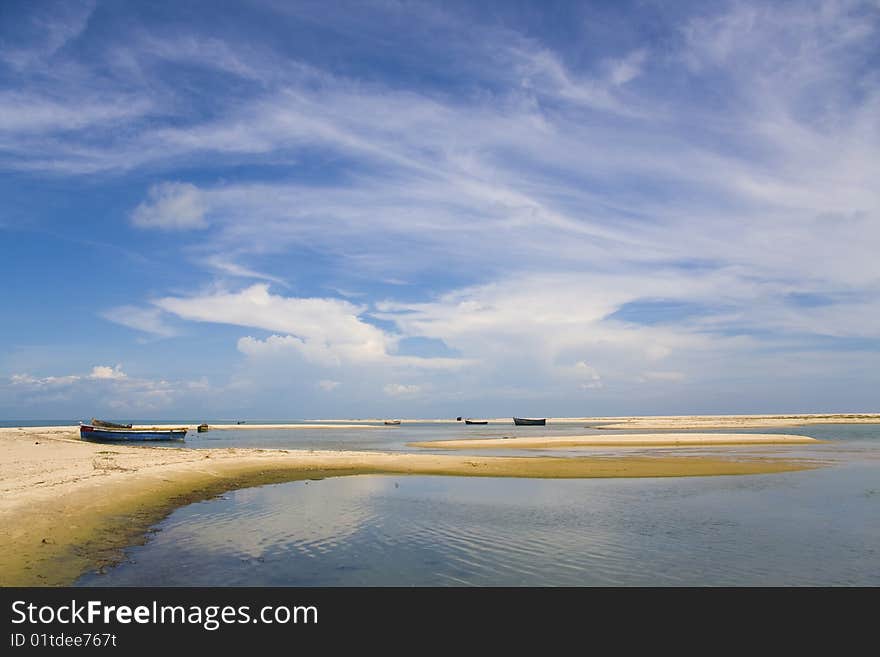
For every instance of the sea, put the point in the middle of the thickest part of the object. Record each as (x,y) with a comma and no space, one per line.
(816,527)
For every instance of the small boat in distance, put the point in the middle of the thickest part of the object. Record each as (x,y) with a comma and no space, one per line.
(202,428)
(91,432)
(392,422)
(470,421)
(530,421)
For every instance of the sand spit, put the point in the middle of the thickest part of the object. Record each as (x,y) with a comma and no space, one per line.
(729,421)
(67,506)
(620,440)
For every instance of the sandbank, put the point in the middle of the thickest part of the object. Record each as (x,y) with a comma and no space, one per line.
(67,506)
(730,421)
(620,440)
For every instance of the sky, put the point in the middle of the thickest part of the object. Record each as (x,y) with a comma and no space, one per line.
(290,210)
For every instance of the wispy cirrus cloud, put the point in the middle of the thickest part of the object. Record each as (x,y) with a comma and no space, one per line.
(147,320)
(655,208)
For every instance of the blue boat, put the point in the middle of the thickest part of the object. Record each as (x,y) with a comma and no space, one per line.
(91,432)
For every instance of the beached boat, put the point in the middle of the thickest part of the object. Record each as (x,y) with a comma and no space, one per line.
(392,422)
(91,432)
(530,421)
(470,421)
(202,428)
(108,425)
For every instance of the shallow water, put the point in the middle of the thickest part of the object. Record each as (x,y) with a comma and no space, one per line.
(817,527)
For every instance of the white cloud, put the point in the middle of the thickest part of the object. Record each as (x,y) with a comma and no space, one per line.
(52,27)
(105,387)
(628,68)
(43,382)
(107,372)
(171,206)
(148,320)
(329,332)
(23,113)
(225,266)
(323,330)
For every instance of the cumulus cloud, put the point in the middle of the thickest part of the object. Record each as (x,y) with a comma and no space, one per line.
(324,330)
(171,206)
(43,382)
(108,373)
(105,387)
(327,331)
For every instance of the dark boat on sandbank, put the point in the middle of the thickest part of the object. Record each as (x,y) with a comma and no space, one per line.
(530,421)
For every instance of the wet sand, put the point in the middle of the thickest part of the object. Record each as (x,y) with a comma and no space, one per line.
(67,506)
(620,440)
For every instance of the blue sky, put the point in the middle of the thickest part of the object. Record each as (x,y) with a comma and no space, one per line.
(283,210)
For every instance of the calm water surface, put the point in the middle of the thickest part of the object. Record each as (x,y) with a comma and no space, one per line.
(818,527)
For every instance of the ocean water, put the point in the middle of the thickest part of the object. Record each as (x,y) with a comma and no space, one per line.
(816,527)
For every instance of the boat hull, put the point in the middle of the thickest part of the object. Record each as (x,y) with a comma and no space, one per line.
(87,432)
(476,421)
(529,422)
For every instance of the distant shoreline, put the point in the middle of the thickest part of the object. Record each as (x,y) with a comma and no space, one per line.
(67,506)
(653,422)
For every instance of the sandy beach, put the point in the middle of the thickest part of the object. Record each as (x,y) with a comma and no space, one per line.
(67,505)
(621,440)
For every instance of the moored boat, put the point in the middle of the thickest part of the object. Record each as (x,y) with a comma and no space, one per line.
(91,432)
(202,428)
(470,421)
(530,421)
(392,422)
